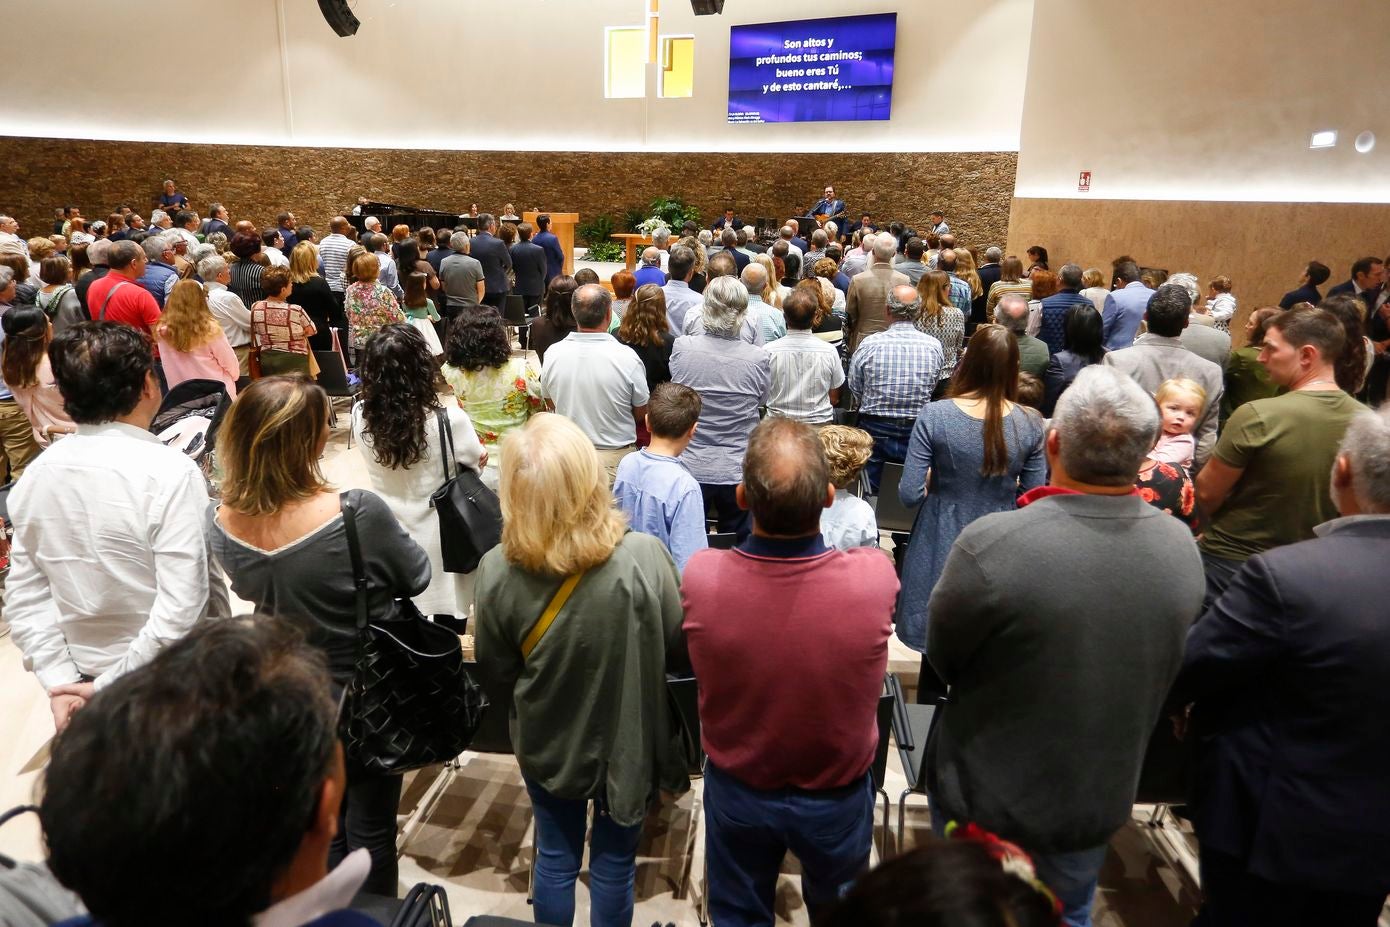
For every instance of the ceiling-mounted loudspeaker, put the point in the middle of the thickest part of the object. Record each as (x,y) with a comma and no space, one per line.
(339,16)
(707,7)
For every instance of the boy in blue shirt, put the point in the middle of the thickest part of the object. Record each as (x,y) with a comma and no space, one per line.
(653,488)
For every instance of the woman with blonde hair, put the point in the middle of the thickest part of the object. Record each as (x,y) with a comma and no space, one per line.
(368,304)
(578,621)
(772,293)
(1093,287)
(943,320)
(312,293)
(1011,280)
(281,536)
(698,277)
(192,345)
(966,270)
(826,269)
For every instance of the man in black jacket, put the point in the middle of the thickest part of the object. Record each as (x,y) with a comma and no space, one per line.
(528,261)
(1287,672)
(489,251)
(1367,280)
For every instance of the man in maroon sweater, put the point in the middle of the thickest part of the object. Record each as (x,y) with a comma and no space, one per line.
(789,640)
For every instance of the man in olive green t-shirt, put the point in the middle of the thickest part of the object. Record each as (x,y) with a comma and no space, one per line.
(1266,483)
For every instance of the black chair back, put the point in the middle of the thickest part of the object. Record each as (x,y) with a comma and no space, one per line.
(889,511)
(723,540)
(333,374)
(514,310)
(684,695)
(887,703)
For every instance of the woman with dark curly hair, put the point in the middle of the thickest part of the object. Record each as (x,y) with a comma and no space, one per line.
(557,319)
(500,390)
(398,421)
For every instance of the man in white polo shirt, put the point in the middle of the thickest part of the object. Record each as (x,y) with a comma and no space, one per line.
(596,382)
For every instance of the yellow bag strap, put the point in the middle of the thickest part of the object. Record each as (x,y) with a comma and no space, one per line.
(562,595)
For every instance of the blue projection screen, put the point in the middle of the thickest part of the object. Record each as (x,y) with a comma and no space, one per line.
(812,70)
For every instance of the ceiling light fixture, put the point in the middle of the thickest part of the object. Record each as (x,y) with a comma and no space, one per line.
(1365,142)
(1325,139)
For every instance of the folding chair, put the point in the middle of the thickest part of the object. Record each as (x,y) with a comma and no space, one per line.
(333,377)
(912,729)
(889,511)
(514,314)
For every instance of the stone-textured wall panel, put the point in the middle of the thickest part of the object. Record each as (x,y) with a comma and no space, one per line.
(257,182)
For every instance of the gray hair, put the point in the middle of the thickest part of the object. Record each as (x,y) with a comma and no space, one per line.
(651,256)
(832,230)
(371,222)
(6,277)
(219,241)
(726,303)
(198,254)
(459,242)
(884,248)
(755,278)
(819,239)
(993,255)
(1106,424)
(1070,276)
(590,305)
(706,237)
(1189,283)
(156,245)
(1014,320)
(99,249)
(899,308)
(211,267)
(1366,446)
(750,232)
(661,236)
(867,241)
(158,216)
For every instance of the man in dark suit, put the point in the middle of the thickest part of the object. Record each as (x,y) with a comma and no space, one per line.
(728,239)
(1367,278)
(726,221)
(989,270)
(489,251)
(1287,672)
(550,244)
(1314,276)
(528,260)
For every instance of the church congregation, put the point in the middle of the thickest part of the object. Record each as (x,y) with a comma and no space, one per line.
(381,565)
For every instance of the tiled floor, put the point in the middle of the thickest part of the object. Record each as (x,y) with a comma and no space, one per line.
(477,842)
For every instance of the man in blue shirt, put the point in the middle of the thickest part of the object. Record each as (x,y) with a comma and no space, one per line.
(650,271)
(654,488)
(1125,306)
(1053,326)
(829,206)
(159,276)
(554,254)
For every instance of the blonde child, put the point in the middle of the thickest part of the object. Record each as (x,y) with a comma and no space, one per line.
(1180,403)
(1221,305)
(849,522)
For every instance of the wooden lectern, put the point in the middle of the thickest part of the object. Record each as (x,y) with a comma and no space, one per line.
(562,224)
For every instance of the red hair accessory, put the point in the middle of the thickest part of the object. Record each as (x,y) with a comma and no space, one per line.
(1011,857)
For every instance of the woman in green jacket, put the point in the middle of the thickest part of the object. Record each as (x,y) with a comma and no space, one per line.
(578,619)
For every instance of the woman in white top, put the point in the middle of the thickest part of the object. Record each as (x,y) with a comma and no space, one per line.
(397,422)
(1093,282)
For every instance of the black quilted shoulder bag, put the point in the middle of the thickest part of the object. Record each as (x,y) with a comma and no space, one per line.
(410,703)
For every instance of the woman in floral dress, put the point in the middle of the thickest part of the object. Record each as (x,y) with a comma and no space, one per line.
(499,390)
(368,304)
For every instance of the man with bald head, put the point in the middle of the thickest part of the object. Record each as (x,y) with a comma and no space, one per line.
(782,600)
(650,269)
(868,293)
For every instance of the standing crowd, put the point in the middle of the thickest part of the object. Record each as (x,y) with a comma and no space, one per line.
(1118,524)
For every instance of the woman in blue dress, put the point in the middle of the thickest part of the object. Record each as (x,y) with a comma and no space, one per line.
(969,455)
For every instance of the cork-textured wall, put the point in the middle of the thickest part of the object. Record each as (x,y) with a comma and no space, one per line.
(257,182)
(1262,247)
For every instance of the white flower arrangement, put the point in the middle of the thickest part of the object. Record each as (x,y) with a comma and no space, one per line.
(649,227)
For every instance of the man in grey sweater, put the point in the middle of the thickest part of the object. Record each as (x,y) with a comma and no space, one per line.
(1059,628)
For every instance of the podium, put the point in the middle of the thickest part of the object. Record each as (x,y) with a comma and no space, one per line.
(562,224)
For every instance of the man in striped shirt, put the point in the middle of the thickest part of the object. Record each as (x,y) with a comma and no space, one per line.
(806,371)
(333,252)
(893,373)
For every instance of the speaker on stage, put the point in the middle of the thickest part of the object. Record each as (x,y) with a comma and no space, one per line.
(340,16)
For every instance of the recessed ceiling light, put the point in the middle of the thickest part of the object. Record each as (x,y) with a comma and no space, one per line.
(1324,139)
(1365,142)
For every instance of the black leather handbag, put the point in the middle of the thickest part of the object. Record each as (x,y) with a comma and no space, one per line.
(470,517)
(411,702)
